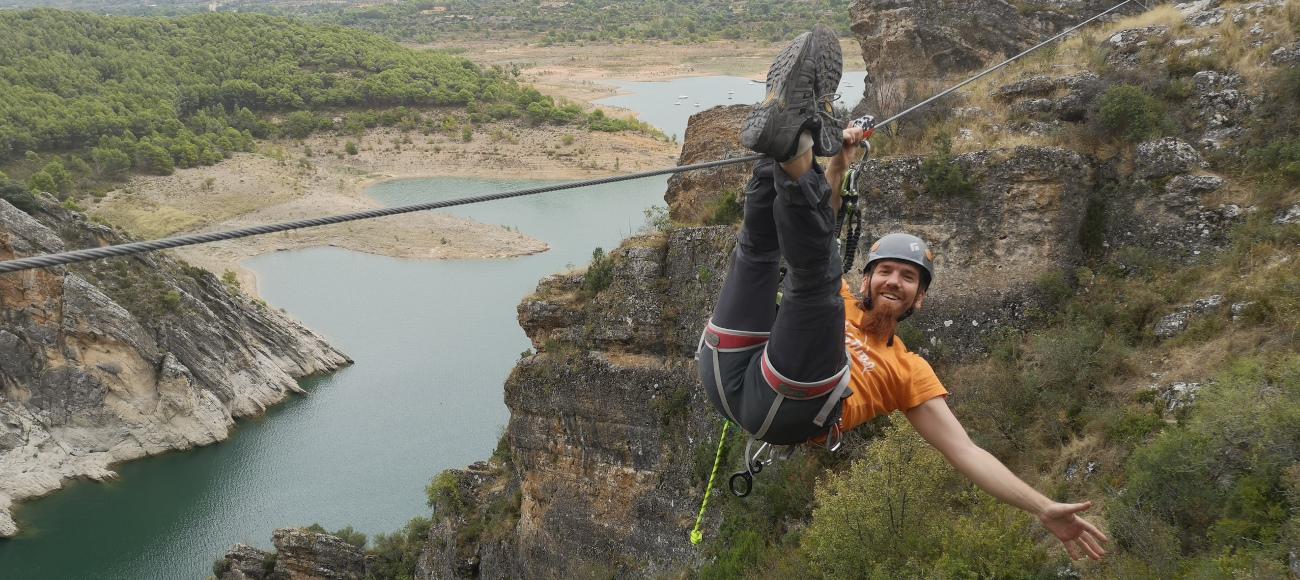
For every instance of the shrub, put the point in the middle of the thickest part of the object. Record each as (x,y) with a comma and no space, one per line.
(350,147)
(1219,480)
(991,540)
(171,300)
(395,555)
(600,274)
(42,182)
(299,124)
(727,210)
(443,493)
(18,195)
(346,533)
(886,516)
(1279,157)
(1127,112)
(942,174)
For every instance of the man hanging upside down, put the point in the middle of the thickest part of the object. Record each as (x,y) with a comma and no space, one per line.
(816,366)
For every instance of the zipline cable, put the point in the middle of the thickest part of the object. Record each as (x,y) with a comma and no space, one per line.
(127,249)
(191,239)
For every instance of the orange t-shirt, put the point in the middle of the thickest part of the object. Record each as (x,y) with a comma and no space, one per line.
(884,378)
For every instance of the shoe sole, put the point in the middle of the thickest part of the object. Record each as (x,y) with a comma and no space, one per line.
(830,68)
(757,133)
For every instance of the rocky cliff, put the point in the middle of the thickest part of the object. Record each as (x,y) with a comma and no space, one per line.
(906,41)
(109,361)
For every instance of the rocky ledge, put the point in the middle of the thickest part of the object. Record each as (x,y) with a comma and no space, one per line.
(114,360)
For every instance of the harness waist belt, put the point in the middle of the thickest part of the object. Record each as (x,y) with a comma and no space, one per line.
(796,389)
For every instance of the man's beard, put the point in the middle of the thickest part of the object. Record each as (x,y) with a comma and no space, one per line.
(880,317)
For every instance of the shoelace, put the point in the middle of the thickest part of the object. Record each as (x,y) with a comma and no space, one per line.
(826,108)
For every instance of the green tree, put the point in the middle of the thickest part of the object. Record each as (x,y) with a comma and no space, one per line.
(154,159)
(298,124)
(110,162)
(42,182)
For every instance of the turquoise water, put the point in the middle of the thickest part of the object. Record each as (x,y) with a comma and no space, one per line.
(433,343)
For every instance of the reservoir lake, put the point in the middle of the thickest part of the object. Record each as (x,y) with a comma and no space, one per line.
(433,343)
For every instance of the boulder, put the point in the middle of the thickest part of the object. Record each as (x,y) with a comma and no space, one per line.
(1178,321)
(304,555)
(1038,85)
(1286,55)
(244,562)
(1193,185)
(1165,157)
(1290,215)
(1124,45)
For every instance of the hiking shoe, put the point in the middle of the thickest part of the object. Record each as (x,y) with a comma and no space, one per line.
(828,139)
(773,126)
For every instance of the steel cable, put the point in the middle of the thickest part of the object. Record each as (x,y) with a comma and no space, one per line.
(62,258)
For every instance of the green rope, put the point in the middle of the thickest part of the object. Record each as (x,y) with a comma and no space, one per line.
(696,535)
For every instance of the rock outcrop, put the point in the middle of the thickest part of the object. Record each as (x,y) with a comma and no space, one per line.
(993,247)
(113,360)
(299,555)
(605,423)
(710,135)
(904,41)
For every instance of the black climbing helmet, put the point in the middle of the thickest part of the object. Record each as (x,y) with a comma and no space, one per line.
(906,248)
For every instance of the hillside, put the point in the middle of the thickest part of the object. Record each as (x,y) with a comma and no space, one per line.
(87,99)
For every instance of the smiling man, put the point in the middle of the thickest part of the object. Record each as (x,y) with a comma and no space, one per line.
(828,360)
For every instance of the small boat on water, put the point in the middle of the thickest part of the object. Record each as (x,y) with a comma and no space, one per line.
(683,96)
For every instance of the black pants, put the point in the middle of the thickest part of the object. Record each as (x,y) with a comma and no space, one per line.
(780,373)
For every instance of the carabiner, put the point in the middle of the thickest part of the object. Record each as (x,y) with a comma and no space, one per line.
(746,478)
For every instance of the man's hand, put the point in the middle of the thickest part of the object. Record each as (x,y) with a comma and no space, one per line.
(1079,535)
(850,153)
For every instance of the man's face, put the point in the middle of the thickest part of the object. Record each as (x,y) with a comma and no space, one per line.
(894,287)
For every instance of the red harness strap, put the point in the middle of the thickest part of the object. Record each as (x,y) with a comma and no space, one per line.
(725,340)
(795,389)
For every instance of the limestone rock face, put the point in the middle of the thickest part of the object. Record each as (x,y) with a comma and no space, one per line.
(710,135)
(114,360)
(908,40)
(991,248)
(243,562)
(605,419)
(304,555)
(299,555)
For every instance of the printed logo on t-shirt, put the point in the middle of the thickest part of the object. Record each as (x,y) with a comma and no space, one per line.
(857,349)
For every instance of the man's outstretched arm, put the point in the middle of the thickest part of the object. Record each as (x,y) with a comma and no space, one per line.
(936,423)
